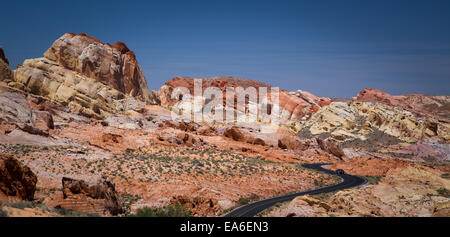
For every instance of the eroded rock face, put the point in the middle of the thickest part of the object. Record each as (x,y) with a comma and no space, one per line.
(5,72)
(294,106)
(424,105)
(90,77)
(331,146)
(289,142)
(15,107)
(16,179)
(243,136)
(99,193)
(372,122)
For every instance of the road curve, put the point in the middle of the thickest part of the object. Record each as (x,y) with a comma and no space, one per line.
(252,209)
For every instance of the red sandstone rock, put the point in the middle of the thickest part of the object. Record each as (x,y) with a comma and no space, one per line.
(235,134)
(102,188)
(289,142)
(43,120)
(114,65)
(16,179)
(331,147)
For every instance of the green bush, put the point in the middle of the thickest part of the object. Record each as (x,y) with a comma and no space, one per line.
(173,210)
(444,192)
(3,213)
(21,205)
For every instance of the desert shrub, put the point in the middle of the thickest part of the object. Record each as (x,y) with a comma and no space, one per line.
(373,179)
(173,210)
(246,200)
(243,201)
(21,205)
(3,213)
(444,192)
(445,176)
(70,213)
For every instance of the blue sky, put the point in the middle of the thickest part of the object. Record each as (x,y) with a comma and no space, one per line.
(330,48)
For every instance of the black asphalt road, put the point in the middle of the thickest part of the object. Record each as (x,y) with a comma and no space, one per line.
(252,209)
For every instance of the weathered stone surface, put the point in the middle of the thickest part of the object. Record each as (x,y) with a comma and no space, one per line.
(81,94)
(99,189)
(288,142)
(16,179)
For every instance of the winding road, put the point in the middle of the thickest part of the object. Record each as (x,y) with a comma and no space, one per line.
(252,209)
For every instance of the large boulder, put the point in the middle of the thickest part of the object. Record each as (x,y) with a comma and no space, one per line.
(241,135)
(289,142)
(235,134)
(86,75)
(331,146)
(99,193)
(15,108)
(16,179)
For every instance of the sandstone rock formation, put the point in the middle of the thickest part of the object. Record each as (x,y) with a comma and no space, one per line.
(98,195)
(86,75)
(289,142)
(372,122)
(5,72)
(294,106)
(423,105)
(16,179)
(15,107)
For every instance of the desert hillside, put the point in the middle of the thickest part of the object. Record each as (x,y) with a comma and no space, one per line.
(82,135)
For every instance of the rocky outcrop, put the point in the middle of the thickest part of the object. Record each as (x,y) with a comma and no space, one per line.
(294,106)
(5,72)
(289,142)
(16,108)
(331,147)
(16,179)
(422,105)
(100,194)
(86,75)
(372,122)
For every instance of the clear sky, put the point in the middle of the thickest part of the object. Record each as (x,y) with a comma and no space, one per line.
(331,48)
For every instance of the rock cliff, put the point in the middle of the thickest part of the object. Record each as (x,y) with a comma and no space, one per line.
(86,75)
